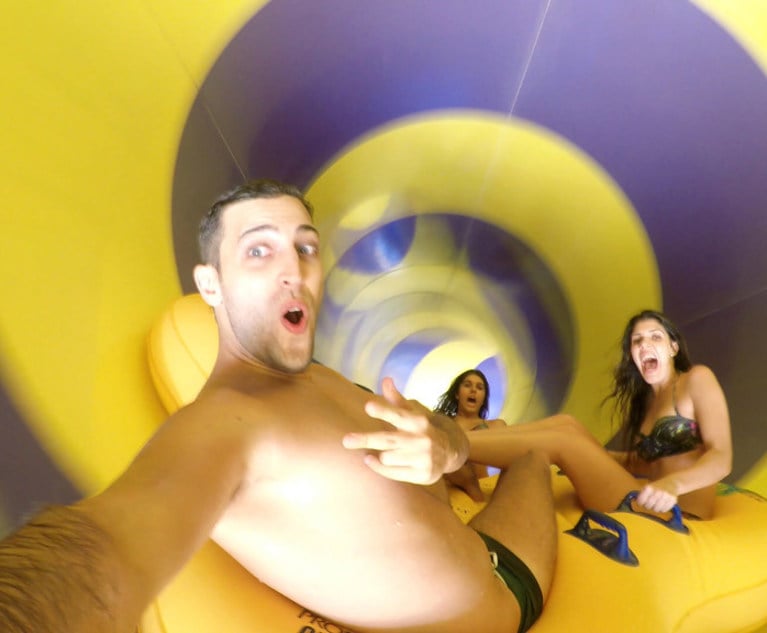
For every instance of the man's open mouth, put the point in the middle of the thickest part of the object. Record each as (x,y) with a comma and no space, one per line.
(294,316)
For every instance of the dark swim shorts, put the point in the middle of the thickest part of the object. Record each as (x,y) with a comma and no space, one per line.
(518,578)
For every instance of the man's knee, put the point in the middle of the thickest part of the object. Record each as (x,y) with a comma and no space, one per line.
(533,462)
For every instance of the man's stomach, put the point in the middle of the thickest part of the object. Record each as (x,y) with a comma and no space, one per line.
(353,546)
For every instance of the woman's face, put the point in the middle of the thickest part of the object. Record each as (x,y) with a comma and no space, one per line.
(653,351)
(471,396)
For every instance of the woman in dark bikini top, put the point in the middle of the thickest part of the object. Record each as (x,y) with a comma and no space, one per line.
(675,424)
(466,400)
(670,435)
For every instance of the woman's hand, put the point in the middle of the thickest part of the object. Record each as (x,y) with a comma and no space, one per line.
(658,496)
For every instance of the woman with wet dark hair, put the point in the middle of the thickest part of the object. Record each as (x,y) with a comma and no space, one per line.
(675,427)
(467,398)
(466,401)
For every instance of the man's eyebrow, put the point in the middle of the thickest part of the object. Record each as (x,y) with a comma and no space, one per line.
(273,227)
(257,229)
(309,228)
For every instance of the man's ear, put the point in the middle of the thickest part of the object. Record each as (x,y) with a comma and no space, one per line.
(206,278)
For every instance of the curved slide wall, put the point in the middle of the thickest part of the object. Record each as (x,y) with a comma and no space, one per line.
(497,188)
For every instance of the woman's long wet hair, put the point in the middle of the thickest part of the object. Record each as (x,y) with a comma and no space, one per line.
(448,401)
(630,392)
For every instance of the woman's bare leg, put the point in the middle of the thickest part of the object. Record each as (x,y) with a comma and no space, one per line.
(599,481)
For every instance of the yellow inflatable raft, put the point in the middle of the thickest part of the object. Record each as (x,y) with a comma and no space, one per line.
(709,578)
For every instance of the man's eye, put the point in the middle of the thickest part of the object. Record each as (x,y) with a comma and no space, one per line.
(257,251)
(307,249)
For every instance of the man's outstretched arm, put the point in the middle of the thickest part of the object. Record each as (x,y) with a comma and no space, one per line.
(97,565)
(58,572)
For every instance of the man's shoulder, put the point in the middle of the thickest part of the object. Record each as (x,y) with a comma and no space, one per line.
(322,371)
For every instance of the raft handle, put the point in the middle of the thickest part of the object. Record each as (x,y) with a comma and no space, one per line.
(612,546)
(674,522)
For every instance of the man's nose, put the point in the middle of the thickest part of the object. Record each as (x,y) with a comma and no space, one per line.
(291,270)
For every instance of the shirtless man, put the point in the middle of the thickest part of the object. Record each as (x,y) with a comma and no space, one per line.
(333,497)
